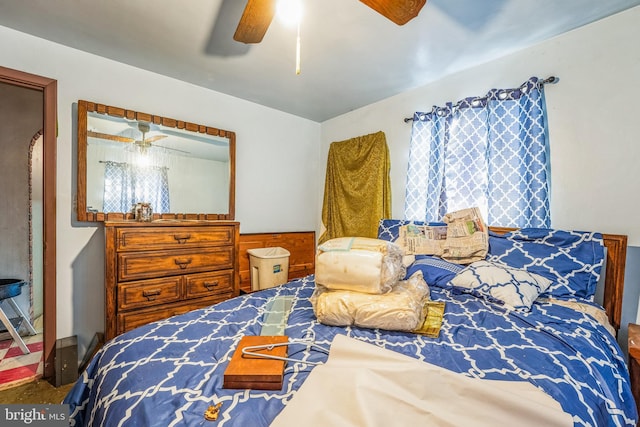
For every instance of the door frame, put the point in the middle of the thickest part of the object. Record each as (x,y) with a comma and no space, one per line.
(49,89)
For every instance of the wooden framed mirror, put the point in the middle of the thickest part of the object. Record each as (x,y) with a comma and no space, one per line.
(183,170)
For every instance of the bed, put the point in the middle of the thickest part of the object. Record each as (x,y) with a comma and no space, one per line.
(170,372)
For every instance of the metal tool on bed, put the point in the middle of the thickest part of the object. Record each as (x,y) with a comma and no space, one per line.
(308,341)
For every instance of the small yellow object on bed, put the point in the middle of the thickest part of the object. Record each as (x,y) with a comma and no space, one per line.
(212,412)
(433,313)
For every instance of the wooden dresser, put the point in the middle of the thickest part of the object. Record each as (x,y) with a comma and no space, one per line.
(158,269)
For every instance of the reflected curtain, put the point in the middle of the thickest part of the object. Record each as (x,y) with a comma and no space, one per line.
(125,185)
(357,192)
(490,152)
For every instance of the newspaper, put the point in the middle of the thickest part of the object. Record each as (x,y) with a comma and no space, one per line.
(422,239)
(467,237)
(462,238)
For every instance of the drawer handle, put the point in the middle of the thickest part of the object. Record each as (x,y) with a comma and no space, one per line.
(182,238)
(210,286)
(182,263)
(151,295)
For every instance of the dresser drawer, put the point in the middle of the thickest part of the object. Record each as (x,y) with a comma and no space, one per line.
(142,265)
(131,320)
(150,238)
(200,285)
(147,293)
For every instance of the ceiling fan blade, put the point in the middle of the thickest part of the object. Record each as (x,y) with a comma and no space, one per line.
(109,137)
(398,11)
(255,21)
(155,138)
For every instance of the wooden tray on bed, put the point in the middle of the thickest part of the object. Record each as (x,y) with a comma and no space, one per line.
(246,371)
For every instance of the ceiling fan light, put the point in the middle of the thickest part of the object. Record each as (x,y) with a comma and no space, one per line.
(289,12)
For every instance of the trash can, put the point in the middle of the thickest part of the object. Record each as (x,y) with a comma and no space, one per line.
(269,267)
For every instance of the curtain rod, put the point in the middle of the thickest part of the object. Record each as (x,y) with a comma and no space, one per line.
(550,79)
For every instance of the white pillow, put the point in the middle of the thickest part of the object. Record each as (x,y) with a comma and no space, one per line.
(514,288)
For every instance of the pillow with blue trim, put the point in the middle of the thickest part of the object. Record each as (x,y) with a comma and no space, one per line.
(572,260)
(436,271)
(513,288)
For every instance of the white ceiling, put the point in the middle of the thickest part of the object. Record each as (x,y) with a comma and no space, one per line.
(351,56)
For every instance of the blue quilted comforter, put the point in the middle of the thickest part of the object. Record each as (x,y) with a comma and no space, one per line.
(168,373)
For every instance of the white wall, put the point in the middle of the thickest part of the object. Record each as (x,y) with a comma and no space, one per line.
(267,199)
(593,121)
(189,176)
(594,129)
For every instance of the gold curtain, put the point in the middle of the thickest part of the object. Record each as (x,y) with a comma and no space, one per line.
(357,189)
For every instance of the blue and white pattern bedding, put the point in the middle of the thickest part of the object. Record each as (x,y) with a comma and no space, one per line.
(168,373)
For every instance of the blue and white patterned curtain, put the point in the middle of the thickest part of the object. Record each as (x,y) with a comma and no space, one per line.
(125,185)
(490,152)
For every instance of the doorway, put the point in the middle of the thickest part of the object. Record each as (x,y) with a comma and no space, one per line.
(48,89)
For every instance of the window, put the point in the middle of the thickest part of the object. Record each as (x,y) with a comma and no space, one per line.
(490,152)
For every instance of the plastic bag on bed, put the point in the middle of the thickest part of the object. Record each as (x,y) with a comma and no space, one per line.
(359,264)
(398,310)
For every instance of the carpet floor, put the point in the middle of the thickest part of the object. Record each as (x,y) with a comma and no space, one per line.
(39,391)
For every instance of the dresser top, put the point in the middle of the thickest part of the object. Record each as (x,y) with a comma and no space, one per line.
(170,223)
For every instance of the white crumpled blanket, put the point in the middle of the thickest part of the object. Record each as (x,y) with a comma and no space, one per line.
(364,385)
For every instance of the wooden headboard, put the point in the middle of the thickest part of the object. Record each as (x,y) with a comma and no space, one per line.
(616,245)
(614,280)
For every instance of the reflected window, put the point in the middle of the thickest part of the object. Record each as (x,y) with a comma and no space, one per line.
(127,184)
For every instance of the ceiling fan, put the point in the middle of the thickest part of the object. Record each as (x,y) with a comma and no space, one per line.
(143,144)
(258,14)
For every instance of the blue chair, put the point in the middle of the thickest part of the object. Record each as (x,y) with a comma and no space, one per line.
(10,288)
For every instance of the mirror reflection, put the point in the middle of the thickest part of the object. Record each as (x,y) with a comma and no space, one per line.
(177,168)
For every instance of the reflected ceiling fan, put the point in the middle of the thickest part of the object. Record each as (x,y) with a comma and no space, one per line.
(143,144)
(258,14)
